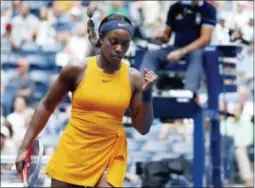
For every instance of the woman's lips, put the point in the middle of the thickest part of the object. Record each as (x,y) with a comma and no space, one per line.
(116,57)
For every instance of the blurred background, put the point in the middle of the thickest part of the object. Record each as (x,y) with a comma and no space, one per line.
(38,38)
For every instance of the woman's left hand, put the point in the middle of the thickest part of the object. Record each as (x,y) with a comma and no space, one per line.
(150,78)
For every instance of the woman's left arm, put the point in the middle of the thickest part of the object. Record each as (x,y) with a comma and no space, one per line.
(141,108)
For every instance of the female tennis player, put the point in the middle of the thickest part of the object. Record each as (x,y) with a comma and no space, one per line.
(92,151)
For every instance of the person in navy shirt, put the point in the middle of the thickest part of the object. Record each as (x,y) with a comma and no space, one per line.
(193,24)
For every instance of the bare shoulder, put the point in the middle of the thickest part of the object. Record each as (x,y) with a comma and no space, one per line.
(134,73)
(74,69)
(136,78)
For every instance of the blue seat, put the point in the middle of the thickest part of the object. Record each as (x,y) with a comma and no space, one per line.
(40,76)
(11,73)
(12,57)
(5,47)
(9,61)
(35,11)
(29,47)
(63,24)
(25,52)
(7,99)
(8,65)
(177,67)
(49,56)
(37,4)
(39,62)
(52,48)
(4,57)
(66,101)
(172,107)
(85,3)
(41,89)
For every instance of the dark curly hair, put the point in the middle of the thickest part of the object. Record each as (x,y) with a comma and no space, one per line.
(93,38)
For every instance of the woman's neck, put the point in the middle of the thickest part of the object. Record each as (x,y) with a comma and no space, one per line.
(105,65)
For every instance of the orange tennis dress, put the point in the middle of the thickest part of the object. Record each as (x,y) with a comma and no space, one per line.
(94,138)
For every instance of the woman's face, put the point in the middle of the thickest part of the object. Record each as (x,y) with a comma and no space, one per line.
(19,104)
(115,44)
(43,13)
(238,109)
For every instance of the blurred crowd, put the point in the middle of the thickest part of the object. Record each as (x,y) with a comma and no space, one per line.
(60,27)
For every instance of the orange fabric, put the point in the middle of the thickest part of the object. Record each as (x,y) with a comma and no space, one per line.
(94,138)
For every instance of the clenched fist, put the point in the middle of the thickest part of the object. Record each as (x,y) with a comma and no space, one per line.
(150,78)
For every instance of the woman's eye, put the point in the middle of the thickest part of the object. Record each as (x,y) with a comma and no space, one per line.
(126,44)
(113,42)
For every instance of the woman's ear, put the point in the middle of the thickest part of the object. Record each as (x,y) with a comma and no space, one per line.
(101,37)
(100,40)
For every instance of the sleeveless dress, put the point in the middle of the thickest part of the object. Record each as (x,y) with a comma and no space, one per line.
(94,138)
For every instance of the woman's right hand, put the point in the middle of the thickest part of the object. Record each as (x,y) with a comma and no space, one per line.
(20,160)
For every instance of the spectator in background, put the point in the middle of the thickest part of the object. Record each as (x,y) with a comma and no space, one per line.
(83,8)
(193,23)
(241,131)
(3,81)
(223,107)
(245,65)
(177,130)
(19,119)
(7,144)
(149,16)
(76,17)
(240,17)
(77,48)
(45,33)
(246,100)
(7,148)
(22,82)
(24,26)
(97,8)
(58,120)
(56,123)
(222,32)
(63,28)
(61,23)
(5,15)
(118,7)
(16,7)
(62,7)
(7,45)
(247,29)
(19,85)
